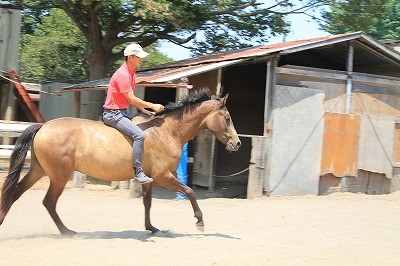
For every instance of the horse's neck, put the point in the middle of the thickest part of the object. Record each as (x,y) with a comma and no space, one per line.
(191,123)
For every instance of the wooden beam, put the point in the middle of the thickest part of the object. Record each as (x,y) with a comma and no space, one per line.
(379,54)
(147,85)
(340,75)
(313,72)
(13,128)
(77,104)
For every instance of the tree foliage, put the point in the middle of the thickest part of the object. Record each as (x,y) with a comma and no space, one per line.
(223,25)
(55,50)
(389,26)
(379,18)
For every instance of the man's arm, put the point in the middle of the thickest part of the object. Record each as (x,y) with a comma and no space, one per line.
(141,104)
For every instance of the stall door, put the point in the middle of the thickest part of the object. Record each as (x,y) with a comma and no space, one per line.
(203,167)
(297,134)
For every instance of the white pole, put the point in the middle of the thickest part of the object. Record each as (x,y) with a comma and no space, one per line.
(350,57)
(349,83)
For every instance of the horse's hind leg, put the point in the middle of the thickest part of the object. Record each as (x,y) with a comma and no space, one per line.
(35,173)
(55,190)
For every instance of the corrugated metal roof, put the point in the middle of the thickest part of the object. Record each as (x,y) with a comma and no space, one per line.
(189,71)
(185,68)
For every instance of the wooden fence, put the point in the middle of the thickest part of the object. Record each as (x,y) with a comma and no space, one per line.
(10,130)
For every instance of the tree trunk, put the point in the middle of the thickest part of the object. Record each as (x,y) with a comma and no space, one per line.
(98,65)
(92,101)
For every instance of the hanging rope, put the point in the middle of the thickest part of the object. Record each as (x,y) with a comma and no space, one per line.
(41,91)
(235,174)
(25,86)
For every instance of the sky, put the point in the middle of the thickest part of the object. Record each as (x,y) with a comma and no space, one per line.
(302,27)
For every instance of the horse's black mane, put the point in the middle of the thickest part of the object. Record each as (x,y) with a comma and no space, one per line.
(192,98)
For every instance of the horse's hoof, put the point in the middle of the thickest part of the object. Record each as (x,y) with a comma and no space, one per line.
(153,230)
(200,226)
(163,233)
(68,233)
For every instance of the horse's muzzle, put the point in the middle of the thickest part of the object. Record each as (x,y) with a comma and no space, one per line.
(232,146)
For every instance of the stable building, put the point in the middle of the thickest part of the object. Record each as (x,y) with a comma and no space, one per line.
(315,116)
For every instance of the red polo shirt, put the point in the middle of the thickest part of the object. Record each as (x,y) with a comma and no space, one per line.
(121,82)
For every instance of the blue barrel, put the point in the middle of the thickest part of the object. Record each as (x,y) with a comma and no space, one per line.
(181,172)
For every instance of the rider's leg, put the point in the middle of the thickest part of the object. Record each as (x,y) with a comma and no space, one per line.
(126,126)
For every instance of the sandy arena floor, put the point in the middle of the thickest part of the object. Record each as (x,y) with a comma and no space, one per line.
(339,229)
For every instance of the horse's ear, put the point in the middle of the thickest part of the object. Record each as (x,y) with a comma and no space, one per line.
(223,100)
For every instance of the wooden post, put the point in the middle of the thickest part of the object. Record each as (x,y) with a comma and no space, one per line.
(114,184)
(255,183)
(77,103)
(270,84)
(211,178)
(124,184)
(78,179)
(9,111)
(135,189)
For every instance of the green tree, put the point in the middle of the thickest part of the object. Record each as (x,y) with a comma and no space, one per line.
(379,18)
(389,26)
(53,51)
(108,25)
(226,24)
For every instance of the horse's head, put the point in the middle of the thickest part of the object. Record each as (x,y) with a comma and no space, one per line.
(220,124)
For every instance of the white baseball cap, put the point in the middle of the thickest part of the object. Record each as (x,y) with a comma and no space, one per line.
(135,49)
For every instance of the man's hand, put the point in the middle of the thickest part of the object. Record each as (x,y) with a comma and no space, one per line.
(157,107)
(147,112)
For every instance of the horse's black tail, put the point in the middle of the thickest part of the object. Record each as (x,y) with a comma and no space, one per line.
(17,160)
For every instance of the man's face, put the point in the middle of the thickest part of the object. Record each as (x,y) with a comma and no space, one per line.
(135,61)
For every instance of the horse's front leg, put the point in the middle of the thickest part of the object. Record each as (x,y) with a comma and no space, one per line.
(147,191)
(172,183)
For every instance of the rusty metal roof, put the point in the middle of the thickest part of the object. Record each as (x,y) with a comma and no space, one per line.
(167,73)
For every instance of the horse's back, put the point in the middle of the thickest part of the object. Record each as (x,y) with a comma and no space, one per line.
(86,146)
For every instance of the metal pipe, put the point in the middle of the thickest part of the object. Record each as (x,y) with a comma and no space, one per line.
(349,83)
(350,57)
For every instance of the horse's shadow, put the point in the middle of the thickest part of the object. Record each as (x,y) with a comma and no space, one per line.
(143,236)
(146,236)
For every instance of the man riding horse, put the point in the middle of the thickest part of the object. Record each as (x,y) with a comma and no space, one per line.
(120,94)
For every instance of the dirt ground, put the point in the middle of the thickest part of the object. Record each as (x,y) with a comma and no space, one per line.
(339,229)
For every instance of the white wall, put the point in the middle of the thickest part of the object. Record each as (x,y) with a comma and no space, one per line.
(10,27)
(53,106)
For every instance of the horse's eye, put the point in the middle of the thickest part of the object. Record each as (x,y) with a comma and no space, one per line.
(228,120)
(227,117)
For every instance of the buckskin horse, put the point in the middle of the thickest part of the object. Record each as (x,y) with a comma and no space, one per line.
(60,146)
